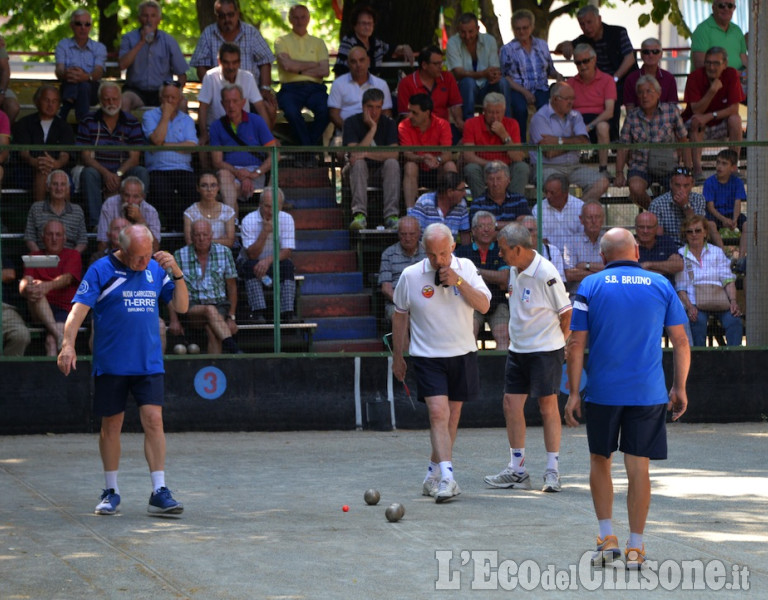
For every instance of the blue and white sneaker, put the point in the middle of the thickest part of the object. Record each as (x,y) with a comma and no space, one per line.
(161,502)
(109,503)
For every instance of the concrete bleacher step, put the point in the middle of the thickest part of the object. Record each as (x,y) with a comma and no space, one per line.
(305,198)
(293,177)
(332,283)
(345,328)
(366,345)
(326,305)
(332,261)
(322,239)
(318,218)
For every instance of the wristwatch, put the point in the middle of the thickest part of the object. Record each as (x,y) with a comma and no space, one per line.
(714,114)
(439,160)
(258,172)
(507,140)
(588,266)
(119,173)
(231,317)
(615,79)
(177,278)
(266,88)
(459,281)
(560,140)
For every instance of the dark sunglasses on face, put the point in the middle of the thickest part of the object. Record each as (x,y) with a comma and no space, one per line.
(647,51)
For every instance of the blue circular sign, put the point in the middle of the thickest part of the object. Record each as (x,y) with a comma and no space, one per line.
(564,380)
(210,383)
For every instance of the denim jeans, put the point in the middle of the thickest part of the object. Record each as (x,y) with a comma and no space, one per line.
(520,108)
(81,96)
(292,97)
(91,185)
(732,325)
(471,94)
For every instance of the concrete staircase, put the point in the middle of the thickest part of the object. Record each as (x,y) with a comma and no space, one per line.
(333,293)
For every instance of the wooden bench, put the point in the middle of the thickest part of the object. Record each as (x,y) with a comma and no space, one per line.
(301,341)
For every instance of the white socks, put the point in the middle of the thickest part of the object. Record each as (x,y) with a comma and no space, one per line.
(158,480)
(110,479)
(518,459)
(446,469)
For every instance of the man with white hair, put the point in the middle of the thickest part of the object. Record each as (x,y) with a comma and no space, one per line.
(438,290)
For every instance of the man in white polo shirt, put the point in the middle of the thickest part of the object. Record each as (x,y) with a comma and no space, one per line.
(435,299)
(539,321)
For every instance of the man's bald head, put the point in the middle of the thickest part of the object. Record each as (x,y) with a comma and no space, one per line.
(618,244)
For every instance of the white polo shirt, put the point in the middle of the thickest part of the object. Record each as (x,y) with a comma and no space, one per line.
(560,227)
(537,298)
(441,319)
(212,84)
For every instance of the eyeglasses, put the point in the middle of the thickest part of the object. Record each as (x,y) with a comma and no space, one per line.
(578,63)
(174,83)
(647,51)
(461,189)
(81,23)
(225,15)
(712,63)
(566,98)
(699,230)
(682,171)
(728,5)
(209,186)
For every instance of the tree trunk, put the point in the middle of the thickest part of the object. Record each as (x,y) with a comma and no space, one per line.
(411,22)
(109,28)
(542,11)
(488,17)
(205,14)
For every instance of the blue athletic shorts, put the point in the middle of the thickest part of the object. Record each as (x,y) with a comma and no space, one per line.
(455,376)
(643,429)
(110,395)
(537,374)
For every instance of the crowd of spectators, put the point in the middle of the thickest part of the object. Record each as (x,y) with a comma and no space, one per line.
(435,105)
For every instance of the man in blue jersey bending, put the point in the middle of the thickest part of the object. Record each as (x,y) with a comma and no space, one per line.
(124,290)
(621,312)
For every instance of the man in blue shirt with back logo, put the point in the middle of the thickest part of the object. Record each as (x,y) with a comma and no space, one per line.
(621,313)
(124,289)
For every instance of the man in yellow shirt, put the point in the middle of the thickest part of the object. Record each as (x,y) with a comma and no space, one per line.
(302,63)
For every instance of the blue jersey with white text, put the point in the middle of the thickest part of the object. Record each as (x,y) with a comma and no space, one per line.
(126,315)
(625,308)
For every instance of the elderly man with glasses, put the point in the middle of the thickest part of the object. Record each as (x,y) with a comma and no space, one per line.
(80,63)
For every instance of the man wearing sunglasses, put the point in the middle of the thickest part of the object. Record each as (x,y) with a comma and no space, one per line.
(80,64)
(651,52)
(719,30)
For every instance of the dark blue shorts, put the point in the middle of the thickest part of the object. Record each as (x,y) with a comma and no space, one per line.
(110,395)
(455,376)
(643,429)
(537,374)
(59,314)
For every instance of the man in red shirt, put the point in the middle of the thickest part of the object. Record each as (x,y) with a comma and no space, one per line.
(492,128)
(439,85)
(49,291)
(713,93)
(422,128)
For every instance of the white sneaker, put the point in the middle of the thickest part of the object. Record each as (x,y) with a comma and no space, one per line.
(508,478)
(447,490)
(551,481)
(430,487)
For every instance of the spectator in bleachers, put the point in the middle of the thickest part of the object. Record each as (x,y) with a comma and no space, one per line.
(615,53)
(258,255)
(5,139)
(557,124)
(372,128)
(473,58)
(56,206)
(483,251)
(347,90)
(719,30)
(42,127)
(445,205)
(150,57)
(723,193)
(594,97)
(527,66)
(113,240)
(505,206)
(406,252)
(208,208)
(706,266)
(256,55)
(658,253)
(678,204)
(130,204)
(227,73)
(9,104)
(651,122)
(241,172)
(441,87)
(713,93)
(549,251)
(363,19)
(560,212)
(80,64)
(49,291)
(104,169)
(492,128)
(16,336)
(302,64)
(172,180)
(651,52)
(211,277)
(423,128)
(581,255)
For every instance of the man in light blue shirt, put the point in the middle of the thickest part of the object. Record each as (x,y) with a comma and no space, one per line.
(172,180)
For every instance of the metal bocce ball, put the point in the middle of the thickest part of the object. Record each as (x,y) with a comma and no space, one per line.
(372,496)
